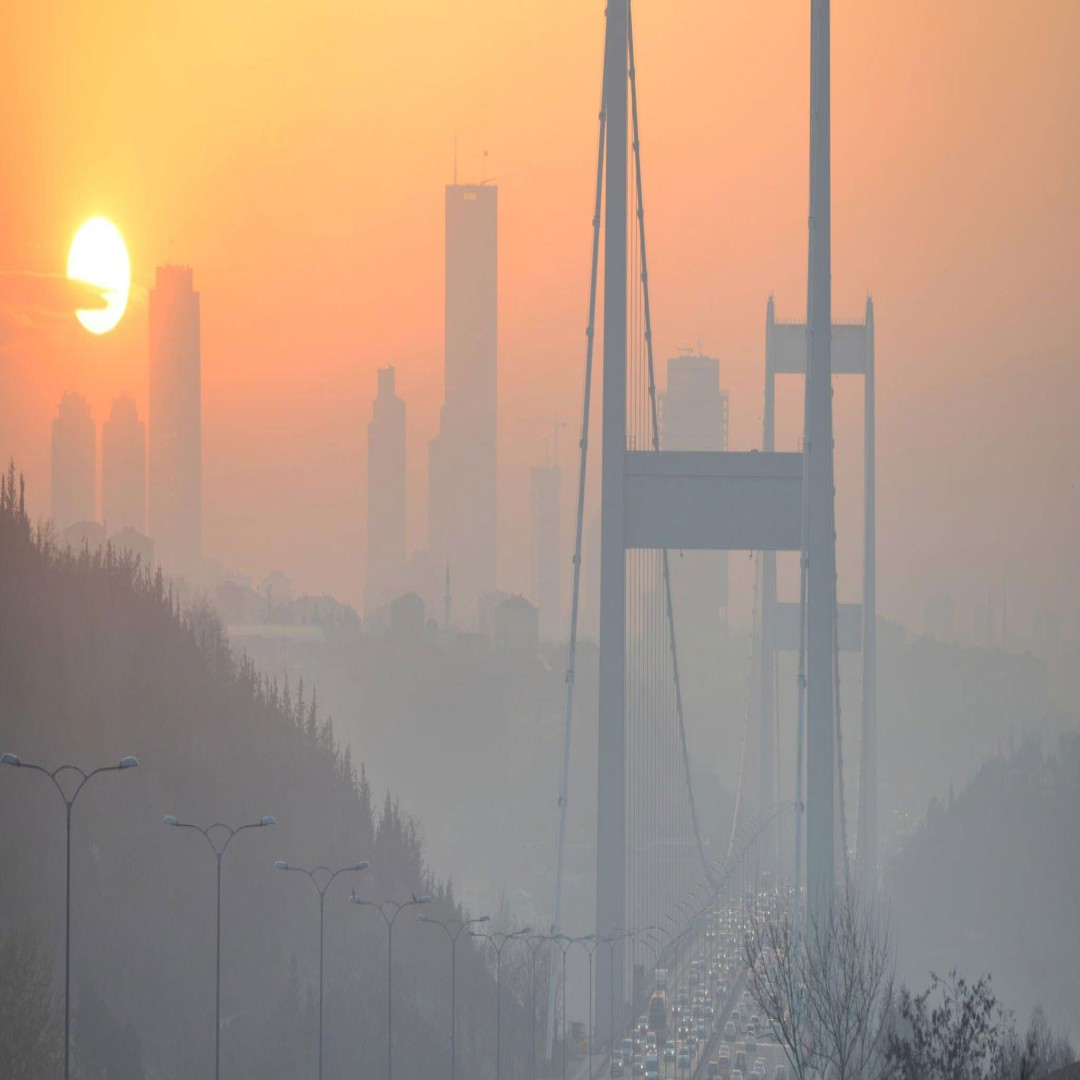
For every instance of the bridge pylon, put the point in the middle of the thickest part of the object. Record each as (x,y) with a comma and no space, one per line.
(711,500)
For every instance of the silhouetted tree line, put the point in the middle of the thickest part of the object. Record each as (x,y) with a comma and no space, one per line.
(958,1030)
(991,882)
(97,660)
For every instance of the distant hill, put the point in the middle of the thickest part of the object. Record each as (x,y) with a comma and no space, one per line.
(96,661)
(991,883)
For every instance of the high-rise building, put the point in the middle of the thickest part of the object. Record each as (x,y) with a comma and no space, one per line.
(386,494)
(544,495)
(123,468)
(175,421)
(694,416)
(74,463)
(463,456)
(694,410)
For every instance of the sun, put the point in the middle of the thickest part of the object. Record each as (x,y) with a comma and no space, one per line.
(99,257)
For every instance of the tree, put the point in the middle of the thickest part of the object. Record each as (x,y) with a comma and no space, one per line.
(774,963)
(32,1045)
(827,991)
(1042,1052)
(953,1030)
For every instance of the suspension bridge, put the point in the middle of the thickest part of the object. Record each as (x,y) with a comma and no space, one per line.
(652,860)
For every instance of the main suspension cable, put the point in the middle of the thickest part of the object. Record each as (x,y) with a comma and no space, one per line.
(576,592)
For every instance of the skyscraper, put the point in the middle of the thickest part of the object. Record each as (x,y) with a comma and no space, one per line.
(386,493)
(463,456)
(694,416)
(74,461)
(175,421)
(123,468)
(546,548)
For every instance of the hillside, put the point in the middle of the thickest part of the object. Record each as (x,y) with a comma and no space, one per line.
(991,883)
(96,661)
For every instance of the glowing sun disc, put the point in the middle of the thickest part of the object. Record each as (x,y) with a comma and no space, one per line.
(99,257)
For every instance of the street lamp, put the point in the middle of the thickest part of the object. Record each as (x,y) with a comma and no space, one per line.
(389,910)
(617,937)
(208,833)
(129,762)
(588,943)
(565,943)
(321,877)
(533,944)
(453,928)
(497,945)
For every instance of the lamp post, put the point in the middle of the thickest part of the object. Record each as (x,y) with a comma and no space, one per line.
(617,937)
(497,941)
(453,928)
(533,944)
(321,877)
(565,943)
(129,762)
(208,833)
(588,943)
(389,910)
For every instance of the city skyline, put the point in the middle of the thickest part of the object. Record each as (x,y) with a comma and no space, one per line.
(935,366)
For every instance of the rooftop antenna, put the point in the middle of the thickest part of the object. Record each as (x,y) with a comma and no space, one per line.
(1004,612)
(483,170)
(558,427)
(455,159)
(446,597)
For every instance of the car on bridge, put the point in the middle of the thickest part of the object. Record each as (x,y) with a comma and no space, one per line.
(669,1050)
(729,1030)
(617,1069)
(683,1064)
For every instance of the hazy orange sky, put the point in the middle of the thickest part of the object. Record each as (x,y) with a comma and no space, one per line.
(295,155)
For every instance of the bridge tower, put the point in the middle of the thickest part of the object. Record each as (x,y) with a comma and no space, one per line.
(852,354)
(711,500)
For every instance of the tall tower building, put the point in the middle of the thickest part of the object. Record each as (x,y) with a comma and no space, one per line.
(74,461)
(386,493)
(546,549)
(463,456)
(694,416)
(175,421)
(123,468)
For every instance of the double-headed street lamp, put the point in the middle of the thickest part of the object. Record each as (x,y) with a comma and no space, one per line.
(209,833)
(321,877)
(497,941)
(565,943)
(533,944)
(389,910)
(453,928)
(129,762)
(588,943)
(616,937)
